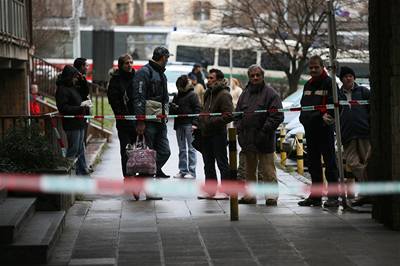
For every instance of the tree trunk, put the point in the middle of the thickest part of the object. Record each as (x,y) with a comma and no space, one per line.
(138,13)
(384,24)
(293,80)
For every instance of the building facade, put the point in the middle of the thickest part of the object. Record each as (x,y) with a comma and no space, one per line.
(15,54)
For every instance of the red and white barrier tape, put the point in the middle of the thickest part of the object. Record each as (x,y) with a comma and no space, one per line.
(321,108)
(174,187)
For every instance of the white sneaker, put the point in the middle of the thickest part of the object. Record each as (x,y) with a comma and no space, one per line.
(179,175)
(189,176)
(221,196)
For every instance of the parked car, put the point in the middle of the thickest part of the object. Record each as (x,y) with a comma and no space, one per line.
(173,72)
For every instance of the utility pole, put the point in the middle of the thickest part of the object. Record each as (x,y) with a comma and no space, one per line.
(332,70)
(77,7)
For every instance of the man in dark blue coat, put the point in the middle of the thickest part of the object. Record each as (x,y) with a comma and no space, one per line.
(355,128)
(150,97)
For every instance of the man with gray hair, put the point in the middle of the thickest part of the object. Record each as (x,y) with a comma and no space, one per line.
(257,131)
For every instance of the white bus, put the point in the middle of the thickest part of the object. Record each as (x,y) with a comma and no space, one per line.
(214,50)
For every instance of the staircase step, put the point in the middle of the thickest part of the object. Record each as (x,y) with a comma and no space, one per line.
(14,212)
(36,241)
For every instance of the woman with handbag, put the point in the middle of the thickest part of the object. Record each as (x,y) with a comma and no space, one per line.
(185,102)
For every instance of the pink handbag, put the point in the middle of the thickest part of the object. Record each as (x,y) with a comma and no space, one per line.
(141,159)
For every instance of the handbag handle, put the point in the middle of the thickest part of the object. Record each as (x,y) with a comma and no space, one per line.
(143,141)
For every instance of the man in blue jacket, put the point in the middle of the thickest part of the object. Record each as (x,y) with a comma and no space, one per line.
(150,97)
(355,128)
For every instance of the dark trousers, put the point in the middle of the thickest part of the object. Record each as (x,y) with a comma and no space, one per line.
(125,135)
(157,139)
(214,148)
(321,142)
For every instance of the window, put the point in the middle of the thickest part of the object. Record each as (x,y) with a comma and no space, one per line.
(279,62)
(122,17)
(155,11)
(201,10)
(195,54)
(241,58)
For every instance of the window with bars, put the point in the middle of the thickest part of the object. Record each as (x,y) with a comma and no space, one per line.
(155,11)
(201,10)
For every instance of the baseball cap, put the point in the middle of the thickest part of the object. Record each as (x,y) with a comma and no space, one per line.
(160,51)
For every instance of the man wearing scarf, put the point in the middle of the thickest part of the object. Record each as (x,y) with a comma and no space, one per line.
(319,130)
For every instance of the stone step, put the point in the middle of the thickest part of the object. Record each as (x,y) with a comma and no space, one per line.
(36,240)
(14,213)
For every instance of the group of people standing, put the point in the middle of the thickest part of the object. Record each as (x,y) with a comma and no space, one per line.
(145,92)
(320,132)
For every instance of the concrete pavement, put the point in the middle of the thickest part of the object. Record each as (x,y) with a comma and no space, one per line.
(185,231)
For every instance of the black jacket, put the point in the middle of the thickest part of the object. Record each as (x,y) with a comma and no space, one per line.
(185,103)
(150,83)
(317,91)
(257,131)
(120,86)
(354,120)
(68,101)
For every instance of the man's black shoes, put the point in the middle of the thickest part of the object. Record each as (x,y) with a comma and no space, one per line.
(161,174)
(316,202)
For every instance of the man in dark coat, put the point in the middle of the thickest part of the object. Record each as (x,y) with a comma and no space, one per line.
(150,97)
(217,99)
(70,102)
(355,128)
(121,84)
(257,131)
(319,130)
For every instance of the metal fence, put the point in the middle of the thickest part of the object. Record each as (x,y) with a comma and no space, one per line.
(52,129)
(13,19)
(45,76)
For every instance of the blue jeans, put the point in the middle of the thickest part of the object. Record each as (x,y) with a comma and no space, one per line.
(184,137)
(76,149)
(156,137)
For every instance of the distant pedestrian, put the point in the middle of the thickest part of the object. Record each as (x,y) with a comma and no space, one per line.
(198,88)
(70,102)
(82,66)
(150,97)
(120,85)
(185,102)
(236,91)
(257,132)
(355,129)
(198,72)
(217,99)
(34,106)
(319,131)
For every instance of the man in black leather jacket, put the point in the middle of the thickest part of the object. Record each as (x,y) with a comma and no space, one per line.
(121,83)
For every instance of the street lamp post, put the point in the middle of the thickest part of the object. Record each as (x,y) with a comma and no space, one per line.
(77,6)
(332,70)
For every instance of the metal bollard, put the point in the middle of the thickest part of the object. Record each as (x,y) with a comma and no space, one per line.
(283,153)
(300,153)
(234,204)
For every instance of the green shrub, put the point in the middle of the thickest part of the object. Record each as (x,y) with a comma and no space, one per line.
(27,150)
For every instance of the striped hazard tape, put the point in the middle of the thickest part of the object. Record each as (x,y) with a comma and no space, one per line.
(161,116)
(175,187)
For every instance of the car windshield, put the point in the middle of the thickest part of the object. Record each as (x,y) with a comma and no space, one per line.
(173,75)
(295,97)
